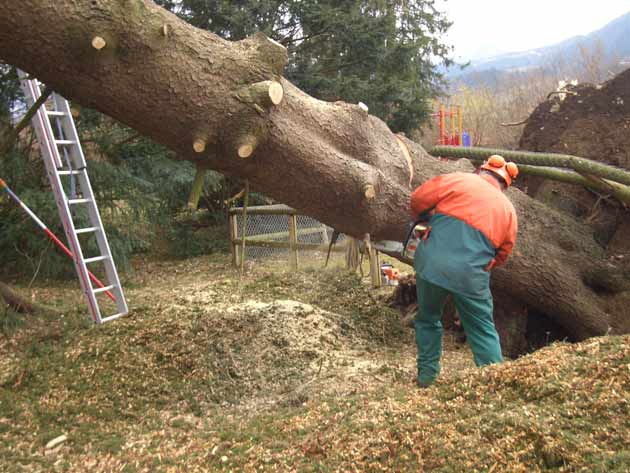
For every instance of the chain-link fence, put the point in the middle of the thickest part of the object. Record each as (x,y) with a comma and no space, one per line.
(278,231)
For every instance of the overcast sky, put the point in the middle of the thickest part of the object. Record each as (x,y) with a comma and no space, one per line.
(484,28)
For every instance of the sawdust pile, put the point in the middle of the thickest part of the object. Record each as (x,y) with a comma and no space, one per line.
(274,351)
(236,375)
(564,408)
(282,347)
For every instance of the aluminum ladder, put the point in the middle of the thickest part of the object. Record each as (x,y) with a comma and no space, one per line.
(63,156)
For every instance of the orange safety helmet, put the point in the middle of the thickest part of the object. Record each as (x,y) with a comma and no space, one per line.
(497,165)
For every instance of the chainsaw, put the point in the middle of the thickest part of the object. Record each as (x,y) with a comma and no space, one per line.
(416,231)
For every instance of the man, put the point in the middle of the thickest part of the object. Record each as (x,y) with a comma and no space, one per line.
(471,229)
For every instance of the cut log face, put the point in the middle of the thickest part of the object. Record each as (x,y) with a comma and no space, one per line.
(312,155)
(98,43)
(275,92)
(199,145)
(246,146)
(369,192)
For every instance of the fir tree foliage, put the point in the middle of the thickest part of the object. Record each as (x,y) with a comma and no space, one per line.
(9,94)
(382,53)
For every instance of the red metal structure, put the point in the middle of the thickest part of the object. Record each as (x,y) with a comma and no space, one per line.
(454,137)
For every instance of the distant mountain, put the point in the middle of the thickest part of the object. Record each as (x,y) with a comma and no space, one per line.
(613,40)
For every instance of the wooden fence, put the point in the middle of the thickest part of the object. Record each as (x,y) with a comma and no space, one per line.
(239,240)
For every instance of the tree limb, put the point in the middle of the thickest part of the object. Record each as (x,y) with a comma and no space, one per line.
(522,122)
(12,133)
(19,304)
(578,164)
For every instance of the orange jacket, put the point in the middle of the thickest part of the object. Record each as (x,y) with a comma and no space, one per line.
(476,200)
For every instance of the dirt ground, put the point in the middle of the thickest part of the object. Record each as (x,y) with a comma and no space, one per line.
(591,121)
(280,371)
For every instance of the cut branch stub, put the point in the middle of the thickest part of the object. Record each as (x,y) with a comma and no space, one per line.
(199,145)
(369,191)
(270,52)
(98,43)
(246,145)
(265,94)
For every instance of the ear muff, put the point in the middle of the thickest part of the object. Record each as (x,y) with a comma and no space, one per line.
(496,161)
(496,164)
(512,169)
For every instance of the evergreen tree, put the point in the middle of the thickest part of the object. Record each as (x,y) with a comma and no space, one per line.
(382,53)
(9,94)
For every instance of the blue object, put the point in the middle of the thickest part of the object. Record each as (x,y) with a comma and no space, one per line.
(465,139)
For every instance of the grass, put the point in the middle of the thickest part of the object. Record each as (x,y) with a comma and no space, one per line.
(214,372)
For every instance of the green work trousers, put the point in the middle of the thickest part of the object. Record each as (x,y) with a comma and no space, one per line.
(476,319)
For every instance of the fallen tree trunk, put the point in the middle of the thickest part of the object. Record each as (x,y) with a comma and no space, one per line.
(218,103)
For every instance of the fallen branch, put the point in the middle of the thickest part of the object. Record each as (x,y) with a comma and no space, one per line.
(578,164)
(12,133)
(522,122)
(235,197)
(619,191)
(19,304)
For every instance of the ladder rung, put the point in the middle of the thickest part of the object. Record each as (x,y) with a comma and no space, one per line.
(78,201)
(55,113)
(67,173)
(103,289)
(95,259)
(113,317)
(65,142)
(86,230)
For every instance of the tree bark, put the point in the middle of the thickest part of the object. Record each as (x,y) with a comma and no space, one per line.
(332,161)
